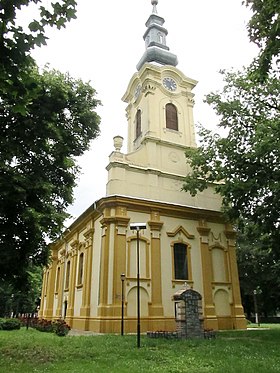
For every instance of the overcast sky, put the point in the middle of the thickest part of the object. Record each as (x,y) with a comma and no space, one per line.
(104,44)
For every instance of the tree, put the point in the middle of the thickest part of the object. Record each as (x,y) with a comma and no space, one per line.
(264,30)
(38,167)
(14,300)
(259,270)
(16,44)
(47,120)
(244,165)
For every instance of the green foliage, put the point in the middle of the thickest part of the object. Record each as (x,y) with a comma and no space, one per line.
(9,324)
(38,164)
(259,269)
(264,30)
(236,351)
(25,300)
(16,44)
(47,120)
(243,165)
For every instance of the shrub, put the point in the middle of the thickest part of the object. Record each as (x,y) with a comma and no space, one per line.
(44,326)
(60,327)
(9,324)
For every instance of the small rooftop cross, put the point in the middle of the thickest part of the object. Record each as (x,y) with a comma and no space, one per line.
(154,4)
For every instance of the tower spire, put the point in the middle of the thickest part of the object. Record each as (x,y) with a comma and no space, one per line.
(154,3)
(155,41)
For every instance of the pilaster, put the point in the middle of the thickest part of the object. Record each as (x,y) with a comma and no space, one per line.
(237,308)
(121,223)
(210,318)
(60,288)
(156,307)
(85,309)
(104,265)
(72,287)
(50,286)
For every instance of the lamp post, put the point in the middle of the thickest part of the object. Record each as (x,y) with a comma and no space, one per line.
(137,227)
(122,280)
(256,308)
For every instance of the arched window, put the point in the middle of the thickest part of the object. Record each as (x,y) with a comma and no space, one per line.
(171,117)
(81,269)
(67,275)
(180,261)
(138,123)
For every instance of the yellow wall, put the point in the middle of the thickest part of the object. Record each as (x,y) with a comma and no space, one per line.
(166,225)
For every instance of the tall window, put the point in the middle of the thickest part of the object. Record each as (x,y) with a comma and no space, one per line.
(81,269)
(180,261)
(57,279)
(171,117)
(138,123)
(67,275)
(65,309)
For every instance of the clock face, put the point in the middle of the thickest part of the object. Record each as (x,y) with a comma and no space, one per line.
(137,91)
(169,84)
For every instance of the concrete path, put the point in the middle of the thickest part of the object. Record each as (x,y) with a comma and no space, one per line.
(76,332)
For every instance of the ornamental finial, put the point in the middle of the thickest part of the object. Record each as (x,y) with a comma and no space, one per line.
(154,4)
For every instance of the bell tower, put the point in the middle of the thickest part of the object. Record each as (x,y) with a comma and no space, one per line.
(160,107)
(159,96)
(160,120)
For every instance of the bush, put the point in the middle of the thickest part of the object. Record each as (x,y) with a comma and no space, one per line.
(10,324)
(60,328)
(44,326)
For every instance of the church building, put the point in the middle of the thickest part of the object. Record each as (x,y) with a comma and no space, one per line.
(147,234)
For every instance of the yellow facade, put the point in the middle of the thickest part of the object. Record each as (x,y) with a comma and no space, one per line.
(83,283)
(95,304)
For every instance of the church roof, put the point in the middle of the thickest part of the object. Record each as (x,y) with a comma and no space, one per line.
(155,40)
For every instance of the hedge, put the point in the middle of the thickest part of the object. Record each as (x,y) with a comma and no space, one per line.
(10,324)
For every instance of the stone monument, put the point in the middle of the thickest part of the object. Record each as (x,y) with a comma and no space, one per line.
(189,317)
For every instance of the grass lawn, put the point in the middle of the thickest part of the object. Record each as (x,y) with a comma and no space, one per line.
(251,351)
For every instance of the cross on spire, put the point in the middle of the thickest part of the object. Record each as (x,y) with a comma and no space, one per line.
(154,4)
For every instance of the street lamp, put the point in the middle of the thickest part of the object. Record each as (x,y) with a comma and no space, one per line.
(256,308)
(122,280)
(137,227)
